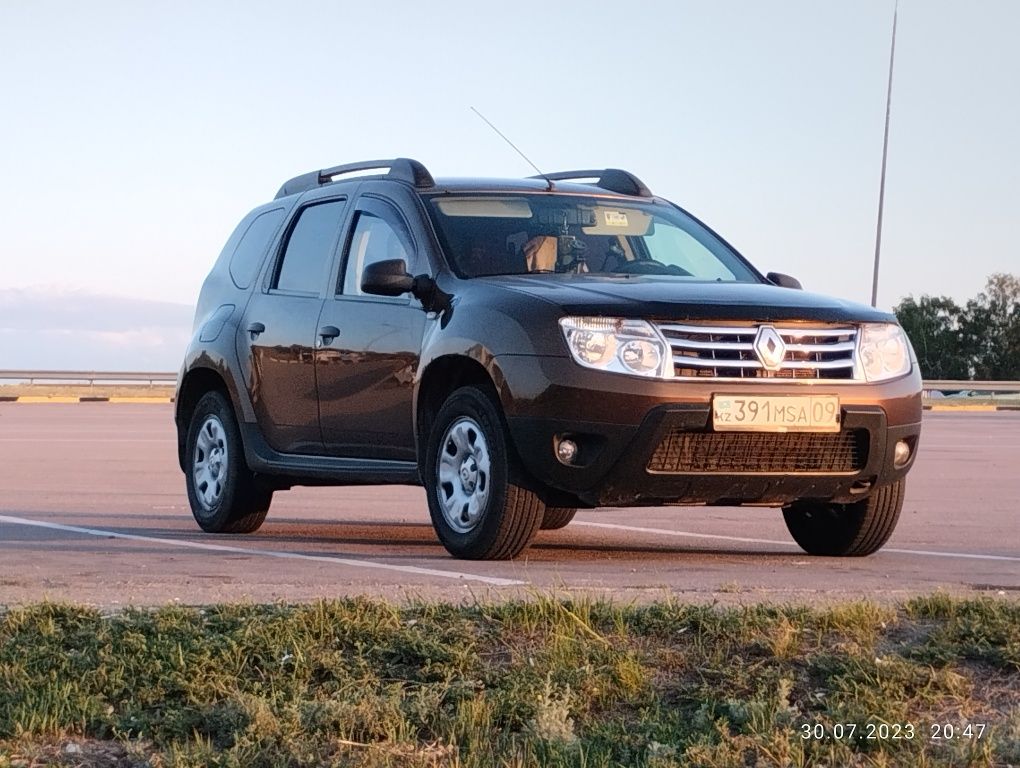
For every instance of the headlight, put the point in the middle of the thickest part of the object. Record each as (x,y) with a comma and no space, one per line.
(618,345)
(883,351)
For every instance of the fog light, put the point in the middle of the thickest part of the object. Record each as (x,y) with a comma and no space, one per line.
(566,451)
(901,454)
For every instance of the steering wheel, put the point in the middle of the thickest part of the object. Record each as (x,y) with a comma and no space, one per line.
(650,267)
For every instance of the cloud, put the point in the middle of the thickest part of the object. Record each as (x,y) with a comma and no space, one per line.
(60,328)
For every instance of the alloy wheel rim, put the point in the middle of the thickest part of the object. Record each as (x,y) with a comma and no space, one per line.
(463,469)
(211,462)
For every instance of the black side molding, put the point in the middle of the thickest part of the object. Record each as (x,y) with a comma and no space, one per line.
(299,469)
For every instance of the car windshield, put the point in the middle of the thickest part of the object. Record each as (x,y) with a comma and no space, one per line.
(549,233)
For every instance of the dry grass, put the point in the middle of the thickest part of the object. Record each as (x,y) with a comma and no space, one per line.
(558,683)
(83,390)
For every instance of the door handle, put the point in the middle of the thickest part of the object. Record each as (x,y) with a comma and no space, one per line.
(255,329)
(328,332)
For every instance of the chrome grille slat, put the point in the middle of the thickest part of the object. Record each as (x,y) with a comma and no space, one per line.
(820,365)
(682,360)
(691,344)
(728,352)
(842,346)
(751,330)
(733,330)
(795,332)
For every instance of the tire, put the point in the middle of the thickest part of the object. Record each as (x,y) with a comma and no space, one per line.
(557,517)
(846,530)
(224,495)
(479,509)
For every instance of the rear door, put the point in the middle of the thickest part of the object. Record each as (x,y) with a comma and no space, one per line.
(365,374)
(277,335)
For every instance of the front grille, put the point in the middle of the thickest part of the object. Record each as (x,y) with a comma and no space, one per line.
(760,452)
(728,352)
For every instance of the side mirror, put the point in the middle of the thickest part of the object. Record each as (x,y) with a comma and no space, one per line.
(387,278)
(785,281)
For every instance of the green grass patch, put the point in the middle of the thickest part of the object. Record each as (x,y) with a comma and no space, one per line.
(359,682)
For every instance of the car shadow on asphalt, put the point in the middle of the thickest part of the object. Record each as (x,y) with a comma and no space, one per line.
(384,540)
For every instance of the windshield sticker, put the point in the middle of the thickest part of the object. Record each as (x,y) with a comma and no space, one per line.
(616,219)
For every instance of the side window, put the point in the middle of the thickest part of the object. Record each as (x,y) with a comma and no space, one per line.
(247,258)
(308,248)
(379,234)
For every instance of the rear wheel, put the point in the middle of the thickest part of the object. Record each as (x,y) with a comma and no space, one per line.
(479,507)
(851,530)
(225,496)
(557,517)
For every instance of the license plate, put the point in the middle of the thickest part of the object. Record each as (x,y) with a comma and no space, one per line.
(778,413)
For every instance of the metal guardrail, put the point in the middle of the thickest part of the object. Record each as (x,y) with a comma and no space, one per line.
(163,377)
(89,377)
(973,386)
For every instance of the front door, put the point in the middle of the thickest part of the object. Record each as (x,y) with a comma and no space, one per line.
(365,374)
(277,335)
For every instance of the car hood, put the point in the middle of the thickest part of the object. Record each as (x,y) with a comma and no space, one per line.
(667,298)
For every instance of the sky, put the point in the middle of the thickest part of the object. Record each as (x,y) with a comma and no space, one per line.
(134,135)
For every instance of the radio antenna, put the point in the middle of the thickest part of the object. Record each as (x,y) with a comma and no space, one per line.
(515,148)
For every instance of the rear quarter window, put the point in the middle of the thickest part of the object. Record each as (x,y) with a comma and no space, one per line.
(247,257)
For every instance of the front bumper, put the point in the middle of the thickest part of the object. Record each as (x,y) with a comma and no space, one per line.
(620,421)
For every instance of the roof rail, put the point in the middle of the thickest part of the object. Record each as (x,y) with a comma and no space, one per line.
(613,179)
(401,169)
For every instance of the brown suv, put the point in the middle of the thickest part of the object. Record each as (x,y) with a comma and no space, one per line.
(527,347)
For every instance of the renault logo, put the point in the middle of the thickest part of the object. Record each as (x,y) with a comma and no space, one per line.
(770,348)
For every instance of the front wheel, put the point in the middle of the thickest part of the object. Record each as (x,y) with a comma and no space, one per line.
(225,496)
(478,507)
(846,530)
(557,517)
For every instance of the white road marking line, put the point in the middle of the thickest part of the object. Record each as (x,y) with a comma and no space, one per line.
(719,537)
(170,441)
(685,534)
(950,446)
(493,580)
(964,555)
(94,440)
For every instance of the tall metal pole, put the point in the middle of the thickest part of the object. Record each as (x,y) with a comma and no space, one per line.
(885,152)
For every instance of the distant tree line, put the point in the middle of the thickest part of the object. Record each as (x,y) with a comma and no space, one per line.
(979,340)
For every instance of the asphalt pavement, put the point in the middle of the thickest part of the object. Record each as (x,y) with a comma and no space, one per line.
(93,510)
